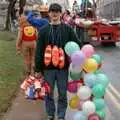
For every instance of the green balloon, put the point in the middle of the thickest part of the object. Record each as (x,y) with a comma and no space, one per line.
(102,114)
(99,103)
(75,76)
(97,72)
(102,79)
(69,78)
(71,47)
(98,91)
(97,57)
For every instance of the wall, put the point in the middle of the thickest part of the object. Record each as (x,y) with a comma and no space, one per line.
(109,9)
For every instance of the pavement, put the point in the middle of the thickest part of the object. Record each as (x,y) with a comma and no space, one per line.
(23,109)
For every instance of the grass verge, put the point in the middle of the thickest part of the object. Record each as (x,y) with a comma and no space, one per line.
(10,69)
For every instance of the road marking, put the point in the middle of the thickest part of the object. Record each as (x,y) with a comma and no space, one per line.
(109,114)
(114,91)
(113,99)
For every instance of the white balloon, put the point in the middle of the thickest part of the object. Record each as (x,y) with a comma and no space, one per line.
(88,108)
(84,92)
(74,69)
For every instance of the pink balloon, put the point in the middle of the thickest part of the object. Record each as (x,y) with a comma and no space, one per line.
(80,105)
(80,83)
(88,50)
(94,117)
(72,87)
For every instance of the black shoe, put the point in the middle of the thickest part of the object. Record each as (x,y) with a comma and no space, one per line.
(50,118)
(61,118)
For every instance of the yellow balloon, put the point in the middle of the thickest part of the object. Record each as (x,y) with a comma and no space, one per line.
(90,65)
(74,102)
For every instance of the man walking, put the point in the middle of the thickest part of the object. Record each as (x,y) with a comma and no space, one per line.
(51,41)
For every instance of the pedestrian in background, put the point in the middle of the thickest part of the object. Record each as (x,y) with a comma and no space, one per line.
(36,20)
(75,7)
(26,44)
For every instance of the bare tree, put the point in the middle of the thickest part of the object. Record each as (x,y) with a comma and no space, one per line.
(11,14)
(21,6)
(94,8)
(94,4)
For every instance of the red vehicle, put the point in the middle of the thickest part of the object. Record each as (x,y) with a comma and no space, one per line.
(104,33)
(98,31)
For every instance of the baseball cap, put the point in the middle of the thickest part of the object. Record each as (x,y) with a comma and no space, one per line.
(55,7)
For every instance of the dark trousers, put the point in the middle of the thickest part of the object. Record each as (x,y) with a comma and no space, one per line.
(60,77)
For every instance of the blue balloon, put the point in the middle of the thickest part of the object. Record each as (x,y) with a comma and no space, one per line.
(90,80)
(102,79)
(79,116)
(71,47)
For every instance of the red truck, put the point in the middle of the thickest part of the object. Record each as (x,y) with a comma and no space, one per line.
(105,33)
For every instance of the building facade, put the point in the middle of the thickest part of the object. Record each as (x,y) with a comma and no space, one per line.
(64,3)
(109,9)
(3,1)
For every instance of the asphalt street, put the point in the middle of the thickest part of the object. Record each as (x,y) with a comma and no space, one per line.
(111,67)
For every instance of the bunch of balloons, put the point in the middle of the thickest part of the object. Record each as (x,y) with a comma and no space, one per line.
(86,82)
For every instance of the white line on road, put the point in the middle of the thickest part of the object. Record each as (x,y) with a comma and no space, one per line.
(117,104)
(109,115)
(114,91)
